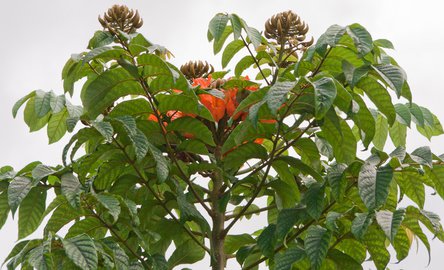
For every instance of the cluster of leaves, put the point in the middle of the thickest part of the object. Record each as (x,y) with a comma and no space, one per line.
(137,189)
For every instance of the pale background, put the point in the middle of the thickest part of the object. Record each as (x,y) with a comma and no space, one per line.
(37,37)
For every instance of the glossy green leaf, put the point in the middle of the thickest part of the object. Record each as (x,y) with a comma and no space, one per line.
(375,241)
(314,200)
(186,253)
(110,203)
(57,126)
(381,132)
(107,88)
(82,251)
(394,76)
(325,93)
(189,126)
(374,185)
(316,245)
(390,222)
(411,185)
(285,260)
(71,188)
(266,240)
(277,95)
(422,155)
(217,25)
(42,103)
(229,51)
(18,189)
(361,38)
(360,224)
(31,212)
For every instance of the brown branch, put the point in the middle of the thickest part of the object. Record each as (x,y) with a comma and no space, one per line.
(255,60)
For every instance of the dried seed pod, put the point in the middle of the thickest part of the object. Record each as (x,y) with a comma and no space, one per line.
(286,26)
(120,17)
(196,69)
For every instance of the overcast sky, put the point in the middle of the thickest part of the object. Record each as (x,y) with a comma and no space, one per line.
(39,36)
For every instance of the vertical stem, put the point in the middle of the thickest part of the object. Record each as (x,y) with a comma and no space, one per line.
(218,259)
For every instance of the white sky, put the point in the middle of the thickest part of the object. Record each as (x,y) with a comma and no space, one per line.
(39,36)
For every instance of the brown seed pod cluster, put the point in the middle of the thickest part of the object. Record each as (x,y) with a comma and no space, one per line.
(287,27)
(120,17)
(217,84)
(196,69)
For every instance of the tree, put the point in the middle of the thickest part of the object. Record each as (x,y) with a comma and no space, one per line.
(178,156)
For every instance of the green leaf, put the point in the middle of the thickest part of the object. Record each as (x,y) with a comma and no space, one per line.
(394,76)
(108,52)
(234,242)
(30,116)
(365,121)
(110,203)
(61,216)
(337,181)
(418,116)
(375,241)
(423,155)
(4,208)
(31,212)
(266,240)
(314,200)
(186,253)
(194,127)
(82,251)
(374,185)
(411,185)
(254,35)
(304,168)
(403,242)
(331,36)
(121,260)
(236,23)
(18,189)
(277,95)
(133,107)
(217,26)
(384,43)
(398,134)
(291,255)
(20,102)
(107,88)
(360,224)
(186,103)
(39,258)
(217,45)
(381,132)
(106,129)
(71,188)
(286,219)
(229,51)
(42,103)
(41,171)
(325,94)
(343,261)
(316,245)
(436,174)
(57,103)
(243,64)
(379,96)
(100,39)
(403,114)
(136,136)
(57,126)
(361,38)
(89,225)
(241,154)
(390,222)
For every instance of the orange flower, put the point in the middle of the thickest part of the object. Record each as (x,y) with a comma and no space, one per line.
(215,105)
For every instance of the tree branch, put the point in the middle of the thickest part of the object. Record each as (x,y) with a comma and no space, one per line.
(255,60)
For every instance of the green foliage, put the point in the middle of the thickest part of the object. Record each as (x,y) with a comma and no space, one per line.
(160,161)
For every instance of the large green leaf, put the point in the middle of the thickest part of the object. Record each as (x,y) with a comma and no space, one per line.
(31,212)
(374,185)
(337,181)
(381,132)
(71,188)
(107,88)
(390,222)
(284,260)
(436,174)
(286,219)
(267,240)
(229,51)
(362,39)
(360,224)
(110,203)
(186,103)
(186,253)
(82,251)
(234,242)
(410,182)
(57,126)
(316,245)
(61,216)
(422,155)
(31,119)
(365,121)
(394,76)
(325,94)
(4,208)
(18,189)
(379,96)
(398,134)
(375,241)
(277,95)
(238,156)
(139,140)
(314,199)
(89,226)
(190,126)
(42,103)
(217,26)
(22,101)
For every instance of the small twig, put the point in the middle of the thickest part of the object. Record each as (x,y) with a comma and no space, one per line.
(255,60)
